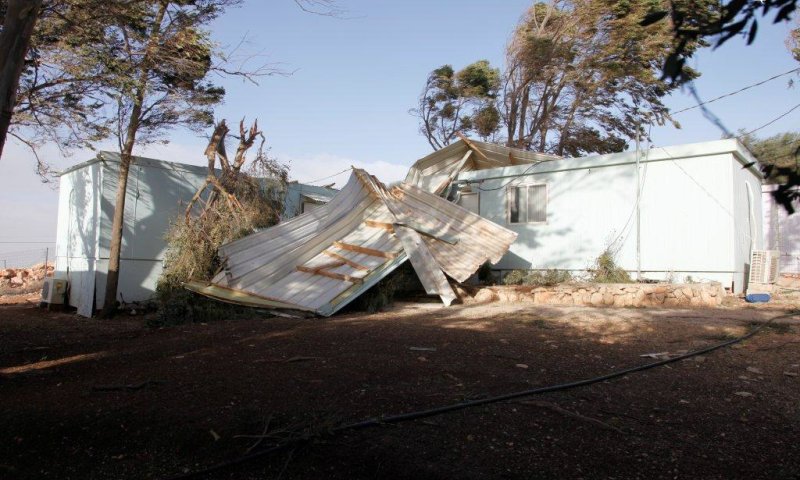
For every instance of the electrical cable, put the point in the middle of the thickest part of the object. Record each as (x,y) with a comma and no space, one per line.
(514,177)
(405,417)
(329,176)
(770,122)
(730,94)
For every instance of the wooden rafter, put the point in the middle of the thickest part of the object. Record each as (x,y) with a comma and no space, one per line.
(364,250)
(345,260)
(384,225)
(326,273)
(475,149)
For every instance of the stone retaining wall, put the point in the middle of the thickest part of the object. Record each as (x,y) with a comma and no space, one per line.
(604,295)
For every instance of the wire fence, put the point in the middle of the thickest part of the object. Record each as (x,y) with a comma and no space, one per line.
(27,258)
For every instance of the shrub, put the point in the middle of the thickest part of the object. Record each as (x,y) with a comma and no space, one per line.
(606,270)
(485,275)
(538,278)
(239,204)
(402,281)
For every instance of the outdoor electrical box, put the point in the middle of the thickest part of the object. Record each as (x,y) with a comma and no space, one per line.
(53,291)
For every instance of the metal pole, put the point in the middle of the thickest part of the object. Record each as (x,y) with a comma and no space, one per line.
(46,258)
(638,209)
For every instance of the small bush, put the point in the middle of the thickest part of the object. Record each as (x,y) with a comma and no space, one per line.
(607,271)
(485,275)
(538,278)
(251,200)
(182,306)
(403,281)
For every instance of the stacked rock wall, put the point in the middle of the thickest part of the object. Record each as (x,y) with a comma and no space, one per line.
(605,295)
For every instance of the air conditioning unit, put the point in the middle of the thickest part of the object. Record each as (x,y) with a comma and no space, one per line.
(763,267)
(53,291)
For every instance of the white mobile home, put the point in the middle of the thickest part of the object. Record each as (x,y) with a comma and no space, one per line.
(157,194)
(669,213)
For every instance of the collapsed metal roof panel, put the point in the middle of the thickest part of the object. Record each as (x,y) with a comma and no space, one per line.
(435,171)
(322,260)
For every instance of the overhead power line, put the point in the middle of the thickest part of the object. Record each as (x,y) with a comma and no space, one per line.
(329,176)
(770,122)
(736,92)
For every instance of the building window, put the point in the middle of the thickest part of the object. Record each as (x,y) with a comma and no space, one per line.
(471,202)
(527,204)
(309,206)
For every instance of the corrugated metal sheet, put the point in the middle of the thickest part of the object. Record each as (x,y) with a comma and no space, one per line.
(435,171)
(323,259)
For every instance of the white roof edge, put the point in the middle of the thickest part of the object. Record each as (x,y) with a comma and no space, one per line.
(107,156)
(681,151)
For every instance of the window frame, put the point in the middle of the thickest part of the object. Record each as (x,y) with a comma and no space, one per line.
(477,194)
(527,185)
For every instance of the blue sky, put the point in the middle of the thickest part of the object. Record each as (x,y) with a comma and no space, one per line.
(354,80)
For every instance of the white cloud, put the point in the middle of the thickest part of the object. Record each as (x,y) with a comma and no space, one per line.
(307,169)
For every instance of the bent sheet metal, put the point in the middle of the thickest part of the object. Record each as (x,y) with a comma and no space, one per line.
(322,260)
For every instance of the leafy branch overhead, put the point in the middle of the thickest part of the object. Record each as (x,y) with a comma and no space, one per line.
(734,18)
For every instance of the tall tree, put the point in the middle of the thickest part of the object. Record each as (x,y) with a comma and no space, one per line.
(582,75)
(19,19)
(462,101)
(131,70)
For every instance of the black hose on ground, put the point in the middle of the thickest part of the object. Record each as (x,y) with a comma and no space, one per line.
(405,417)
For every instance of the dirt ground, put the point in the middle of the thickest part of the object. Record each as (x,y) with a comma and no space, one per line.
(94,399)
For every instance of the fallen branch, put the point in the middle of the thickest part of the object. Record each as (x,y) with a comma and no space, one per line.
(577,416)
(129,387)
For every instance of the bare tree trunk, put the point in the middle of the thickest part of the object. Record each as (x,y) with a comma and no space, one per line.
(14,42)
(126,157)
(112,279)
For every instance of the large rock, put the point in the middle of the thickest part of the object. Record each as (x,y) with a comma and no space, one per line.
(485,295)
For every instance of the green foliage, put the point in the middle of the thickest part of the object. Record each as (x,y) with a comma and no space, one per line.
(538,278)
(180,306)
(606,270)
(485,275)
(403,281)
(781,151)
(192,244)
(460,101)
(720,21)
(130,70)
(580,77)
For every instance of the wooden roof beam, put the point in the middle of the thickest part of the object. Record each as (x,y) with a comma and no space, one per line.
(475,149)
(326,273)
(364,250)
(345,260)
(384,225)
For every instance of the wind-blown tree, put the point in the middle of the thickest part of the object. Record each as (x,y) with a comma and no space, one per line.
(462,101)
(581,76)
(131,70)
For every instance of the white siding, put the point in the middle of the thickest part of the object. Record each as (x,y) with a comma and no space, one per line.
(156,196)
(694,212)
(687,222)
(76,234)
(746,205)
